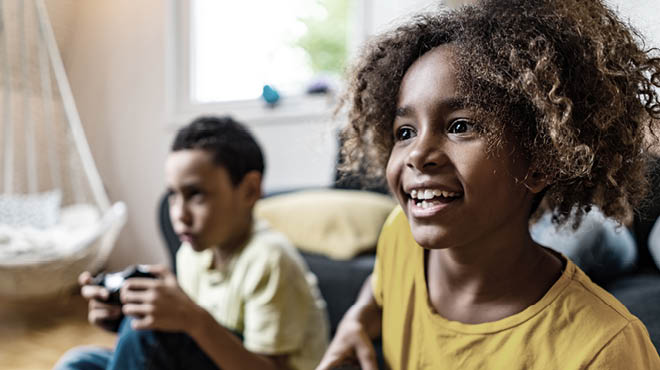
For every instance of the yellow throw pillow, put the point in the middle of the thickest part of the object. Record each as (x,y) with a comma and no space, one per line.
(337,223)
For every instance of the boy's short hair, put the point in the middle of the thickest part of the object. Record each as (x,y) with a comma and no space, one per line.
(230,143)
(567,81)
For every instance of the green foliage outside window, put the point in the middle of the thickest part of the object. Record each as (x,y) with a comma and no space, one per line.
(326,38)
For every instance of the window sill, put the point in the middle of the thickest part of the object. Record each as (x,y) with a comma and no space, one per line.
(293,109)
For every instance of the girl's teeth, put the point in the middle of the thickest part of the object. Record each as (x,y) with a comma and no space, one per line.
(425,194)
(425,204)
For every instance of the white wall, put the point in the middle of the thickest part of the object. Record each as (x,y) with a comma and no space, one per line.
(643,14)
(115,62)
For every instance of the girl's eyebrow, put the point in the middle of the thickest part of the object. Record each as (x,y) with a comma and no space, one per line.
(453,103)
(403,111)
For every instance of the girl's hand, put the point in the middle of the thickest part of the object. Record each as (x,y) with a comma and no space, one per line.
(350,345)
(159,303)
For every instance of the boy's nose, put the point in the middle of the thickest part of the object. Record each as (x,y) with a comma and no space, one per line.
(179,213)
(426,153)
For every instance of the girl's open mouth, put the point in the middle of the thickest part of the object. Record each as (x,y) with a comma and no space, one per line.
(426,202)
(426,198)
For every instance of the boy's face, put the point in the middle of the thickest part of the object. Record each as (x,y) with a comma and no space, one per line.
(206,209)
(439,155)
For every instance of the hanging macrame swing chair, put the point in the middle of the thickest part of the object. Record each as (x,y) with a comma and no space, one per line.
(55,217)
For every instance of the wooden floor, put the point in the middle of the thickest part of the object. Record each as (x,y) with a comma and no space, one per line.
(34,335)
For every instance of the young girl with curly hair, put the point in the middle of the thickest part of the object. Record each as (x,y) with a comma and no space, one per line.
(474,116)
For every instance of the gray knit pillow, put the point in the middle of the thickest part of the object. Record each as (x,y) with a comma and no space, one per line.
(40,210)
(654,242)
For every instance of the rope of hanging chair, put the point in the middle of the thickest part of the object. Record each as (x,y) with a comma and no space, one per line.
(49,110)
(28,123)
(69,105)
(35,137)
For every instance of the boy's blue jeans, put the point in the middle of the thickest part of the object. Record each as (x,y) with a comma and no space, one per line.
(139,349)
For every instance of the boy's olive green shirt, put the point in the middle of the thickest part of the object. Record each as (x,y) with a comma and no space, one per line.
(576,325)
(265,292)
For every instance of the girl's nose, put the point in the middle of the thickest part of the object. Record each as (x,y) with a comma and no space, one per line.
(426,152)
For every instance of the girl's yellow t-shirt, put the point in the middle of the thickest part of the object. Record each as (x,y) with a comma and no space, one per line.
(576,325)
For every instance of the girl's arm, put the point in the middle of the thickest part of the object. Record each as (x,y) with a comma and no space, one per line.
(353,340)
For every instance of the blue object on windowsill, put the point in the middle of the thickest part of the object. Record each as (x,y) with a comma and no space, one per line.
(270,95)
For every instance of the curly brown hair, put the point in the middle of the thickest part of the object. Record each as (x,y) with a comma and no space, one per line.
(567,81)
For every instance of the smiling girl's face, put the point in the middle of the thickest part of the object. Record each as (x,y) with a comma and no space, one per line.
(452,191)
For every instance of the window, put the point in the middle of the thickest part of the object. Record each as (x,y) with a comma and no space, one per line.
(227,51)
(238,47)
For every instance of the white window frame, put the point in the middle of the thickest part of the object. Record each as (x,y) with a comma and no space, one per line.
(296,108)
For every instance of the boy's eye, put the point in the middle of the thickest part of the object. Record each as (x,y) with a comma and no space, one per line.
(193,193)
(461,126)
(404,133)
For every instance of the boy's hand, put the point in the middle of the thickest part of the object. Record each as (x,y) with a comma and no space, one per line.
(99,313)
(351,344)
(159,303)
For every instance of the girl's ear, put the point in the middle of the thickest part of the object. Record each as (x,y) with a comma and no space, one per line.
(535,182)
(251,187)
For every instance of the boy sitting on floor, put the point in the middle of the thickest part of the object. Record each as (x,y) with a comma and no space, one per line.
(243,297)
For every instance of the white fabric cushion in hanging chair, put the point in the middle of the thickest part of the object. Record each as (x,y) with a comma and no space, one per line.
(40,210)
(78,223)
(82,240)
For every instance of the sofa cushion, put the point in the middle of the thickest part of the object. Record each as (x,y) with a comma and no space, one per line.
(336,223)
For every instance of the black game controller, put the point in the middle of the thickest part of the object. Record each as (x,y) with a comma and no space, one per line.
(113,281)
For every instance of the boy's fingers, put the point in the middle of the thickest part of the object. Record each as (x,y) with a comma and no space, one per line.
(94,292)
(84,278)
(159,270)
(135,296)
(140,323)
(137,310)
(98,315)
(96,304)
(140,284)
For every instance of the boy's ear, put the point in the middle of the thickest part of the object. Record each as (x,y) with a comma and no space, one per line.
(535,182)
(251,186)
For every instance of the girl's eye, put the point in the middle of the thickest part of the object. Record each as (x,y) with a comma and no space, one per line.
(461,126)
(404,133)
